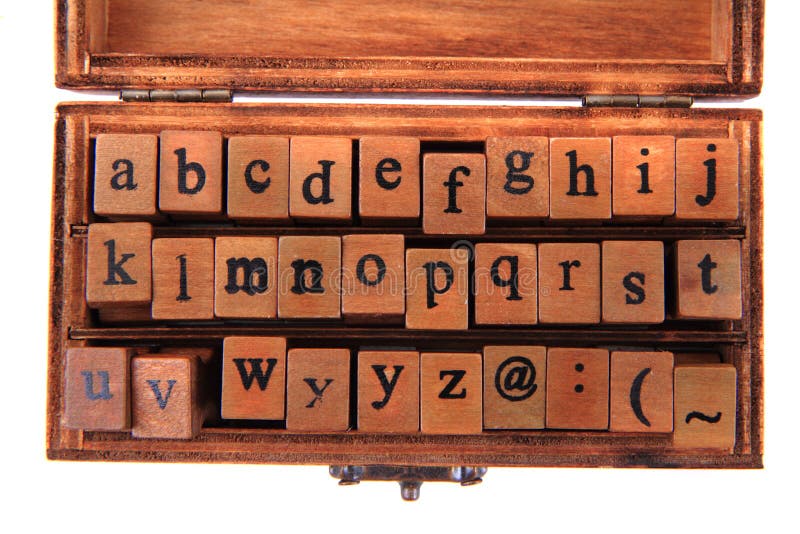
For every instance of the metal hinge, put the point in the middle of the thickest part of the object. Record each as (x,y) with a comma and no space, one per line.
(637,101)
(176,95)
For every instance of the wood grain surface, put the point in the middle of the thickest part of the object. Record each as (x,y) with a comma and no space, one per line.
(318,390)
(633,281)
(705,401)
(569,47)
(514,386)
(97,388)
(643,176)
(183,278)
(373,278)
(118,264)
(709,279)
(309,277)
(254,378)
(737,341)
(246,277)
(569,283)
(190,173)
(454,194)
(577,388)
(125,175)
(451,393)
(388,178)
(166,400)
(505,284)
(258,178)
(517,177)
(580,178)
(641,391)
(388,391)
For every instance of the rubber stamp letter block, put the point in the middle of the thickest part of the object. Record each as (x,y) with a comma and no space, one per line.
(258,178)
(125,170)
(454,194)
(166,397)
(389,181)
(517,177)
(318,390)
(97,388)
(569,283)
(320,179)
(577,388)
(246,278)
(705,406)
(373,277)
(118,268)
(309,272)
(437,289)
(641,391)
(190,181)
(505,283)
(451,393)
(254,378)
(388,391)
(514,381)
(644,176)
(709,279)
(580,178)
(633,281)
(183,278)
(707,180)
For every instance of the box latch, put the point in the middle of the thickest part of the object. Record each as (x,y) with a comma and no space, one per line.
(176,95)
(637,101)
(409,477)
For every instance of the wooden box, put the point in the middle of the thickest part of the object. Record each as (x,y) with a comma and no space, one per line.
(637,67)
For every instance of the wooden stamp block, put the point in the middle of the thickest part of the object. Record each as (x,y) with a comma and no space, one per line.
(514,380)
(644,176)
(569,283)
(388,391)
(641,391)
(389,180)
(373,277)
(167,401)
(451,393)
(118,268)
(707,180)
(125,175)
(709,279)
(258,178)
(97,388)
(309,272)
(254,378)
(505,283)
(577,388)
(580,178)
(517,177)
(183,278)
(633,281)
(318,390)
(705,406)
(246,279)
(190,181)
(437,289)
(454,194)
(320,180)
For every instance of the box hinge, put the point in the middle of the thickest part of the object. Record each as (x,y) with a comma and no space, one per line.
(637,101)
(176,95)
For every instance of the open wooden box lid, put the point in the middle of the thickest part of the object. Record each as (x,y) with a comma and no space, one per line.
(568,47)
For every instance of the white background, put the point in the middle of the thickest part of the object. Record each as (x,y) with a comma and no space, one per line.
(91,496)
